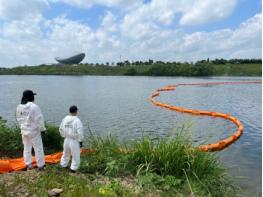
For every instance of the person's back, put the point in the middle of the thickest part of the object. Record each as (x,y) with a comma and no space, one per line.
(72,130)
(31,122)
(29,118)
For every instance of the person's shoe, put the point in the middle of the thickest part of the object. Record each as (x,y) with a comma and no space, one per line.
(73,171)
(41,169)
(29,167)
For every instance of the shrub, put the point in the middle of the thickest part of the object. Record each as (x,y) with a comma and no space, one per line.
(131,72)
(11,142)
(52,141)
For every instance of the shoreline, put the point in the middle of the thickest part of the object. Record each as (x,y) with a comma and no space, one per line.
(155,167)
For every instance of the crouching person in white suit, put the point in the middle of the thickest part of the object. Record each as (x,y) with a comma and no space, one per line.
(72,130)
(31,122)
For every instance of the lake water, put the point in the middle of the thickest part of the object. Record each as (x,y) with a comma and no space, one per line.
(121,106)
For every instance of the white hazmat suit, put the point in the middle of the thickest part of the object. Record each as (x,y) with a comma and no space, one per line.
(72,130)
(31,123)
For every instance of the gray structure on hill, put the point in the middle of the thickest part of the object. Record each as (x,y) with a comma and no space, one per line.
(75,59)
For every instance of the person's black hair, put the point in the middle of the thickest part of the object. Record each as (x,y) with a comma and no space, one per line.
(28,96)
(73,109)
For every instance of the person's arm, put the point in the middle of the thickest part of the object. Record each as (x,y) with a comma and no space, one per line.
(61,129)
(80,131)
(18,117)
(39,118)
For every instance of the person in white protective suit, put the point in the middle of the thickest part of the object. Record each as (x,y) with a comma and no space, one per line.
(31,122)
(71,129)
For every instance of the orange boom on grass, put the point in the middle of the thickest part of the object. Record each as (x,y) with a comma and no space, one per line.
(11,165)
(220,145)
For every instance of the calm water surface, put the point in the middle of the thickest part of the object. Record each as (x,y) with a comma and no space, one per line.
(121,105)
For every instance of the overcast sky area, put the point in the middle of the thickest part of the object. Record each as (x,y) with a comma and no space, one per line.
(33,32)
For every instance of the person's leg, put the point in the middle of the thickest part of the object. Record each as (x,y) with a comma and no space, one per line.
(27,153)
(75,152)
(39,151)
(66,153)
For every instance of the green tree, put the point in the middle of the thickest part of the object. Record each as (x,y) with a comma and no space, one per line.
(131,72)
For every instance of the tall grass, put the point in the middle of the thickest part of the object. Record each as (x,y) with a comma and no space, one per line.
(162,162)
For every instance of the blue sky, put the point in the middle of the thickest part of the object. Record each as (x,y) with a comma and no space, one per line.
(33,32)
(244,9)
(91,16)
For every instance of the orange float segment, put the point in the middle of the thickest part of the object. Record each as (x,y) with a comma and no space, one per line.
(175,108)
(241,127)
(166,88)
(217,114)
(155,94)
(203,148)
(209,147)
(238,122)
(204,113)
(233,119)
(195,112)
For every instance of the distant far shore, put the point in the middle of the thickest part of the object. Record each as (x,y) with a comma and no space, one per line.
(217,67)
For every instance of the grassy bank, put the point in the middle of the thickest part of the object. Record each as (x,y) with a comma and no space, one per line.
(147,167)
(158,68)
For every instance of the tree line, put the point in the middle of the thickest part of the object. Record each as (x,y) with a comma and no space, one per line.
(215,61)
(217,67)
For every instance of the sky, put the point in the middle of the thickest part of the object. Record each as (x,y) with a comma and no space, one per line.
(34,32)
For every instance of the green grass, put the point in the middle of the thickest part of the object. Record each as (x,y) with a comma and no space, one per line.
(72,185)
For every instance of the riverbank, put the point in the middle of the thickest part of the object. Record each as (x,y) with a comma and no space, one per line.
(203,68)
(55,180)
(151,167)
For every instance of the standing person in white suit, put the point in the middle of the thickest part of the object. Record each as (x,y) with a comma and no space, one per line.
(72,130)
(31,122)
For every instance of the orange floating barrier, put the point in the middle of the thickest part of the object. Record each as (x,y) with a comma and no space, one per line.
(220,145)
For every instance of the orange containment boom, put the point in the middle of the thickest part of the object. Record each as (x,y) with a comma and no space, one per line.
(11,165)
(220,145)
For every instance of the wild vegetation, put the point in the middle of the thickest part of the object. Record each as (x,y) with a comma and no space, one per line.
(11,143)
(217,67)
(147,167)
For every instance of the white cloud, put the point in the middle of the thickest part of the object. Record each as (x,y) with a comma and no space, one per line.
(149,17)
(28,28)
(139,35)
(18,10)
(241,42)
(109,22)
(204,11)
(129,4)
